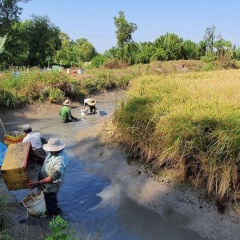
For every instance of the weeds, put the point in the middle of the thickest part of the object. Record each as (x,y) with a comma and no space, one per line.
(3,211)
(4,207)
(59,229)
(62,230)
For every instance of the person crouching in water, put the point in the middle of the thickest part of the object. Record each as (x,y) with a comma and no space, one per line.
(65,112)
(91,103)
(52,174)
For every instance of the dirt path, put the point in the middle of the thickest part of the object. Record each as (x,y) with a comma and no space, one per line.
(131,180)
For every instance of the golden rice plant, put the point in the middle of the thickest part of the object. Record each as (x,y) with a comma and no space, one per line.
(189,121)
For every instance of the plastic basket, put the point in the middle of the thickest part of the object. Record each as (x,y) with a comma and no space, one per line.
(14,137)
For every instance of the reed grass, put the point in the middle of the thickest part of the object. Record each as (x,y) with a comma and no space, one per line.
(189,121)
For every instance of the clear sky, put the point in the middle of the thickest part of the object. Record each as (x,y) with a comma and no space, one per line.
(93,19)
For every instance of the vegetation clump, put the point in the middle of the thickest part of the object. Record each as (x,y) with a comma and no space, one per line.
(188,122)
(27,86)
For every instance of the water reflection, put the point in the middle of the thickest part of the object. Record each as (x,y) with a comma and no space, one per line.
(146,224)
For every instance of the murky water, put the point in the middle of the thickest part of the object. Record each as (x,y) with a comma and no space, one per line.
(91,202)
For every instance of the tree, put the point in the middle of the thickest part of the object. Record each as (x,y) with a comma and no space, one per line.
(63,56)
(9,13)
(223,48)
(16,46)
(81,41)
(43,40)
(74,53)
(124,29)
(209,38)
(84,50)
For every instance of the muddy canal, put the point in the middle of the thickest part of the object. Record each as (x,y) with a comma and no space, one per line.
(92,203)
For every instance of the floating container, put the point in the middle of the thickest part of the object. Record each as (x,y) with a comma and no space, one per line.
(14,137)
(18,166)
(35,204)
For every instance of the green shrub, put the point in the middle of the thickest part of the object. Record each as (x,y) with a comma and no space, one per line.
(59,229)
(209,57)
(62,230)
(98,61)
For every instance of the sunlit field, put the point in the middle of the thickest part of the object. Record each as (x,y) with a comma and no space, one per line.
(189,122)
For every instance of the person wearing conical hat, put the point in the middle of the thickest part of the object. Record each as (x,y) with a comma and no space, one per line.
(91,103)
(65,112)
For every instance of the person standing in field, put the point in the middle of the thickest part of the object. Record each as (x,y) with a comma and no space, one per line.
(65,112)
(52,174)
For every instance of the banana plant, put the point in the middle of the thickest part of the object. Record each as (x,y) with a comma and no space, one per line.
(170,45)
(189,50)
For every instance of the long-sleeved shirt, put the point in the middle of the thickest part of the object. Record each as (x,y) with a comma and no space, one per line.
(55,167)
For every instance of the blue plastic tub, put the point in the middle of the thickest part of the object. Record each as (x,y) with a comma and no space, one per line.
(3,150)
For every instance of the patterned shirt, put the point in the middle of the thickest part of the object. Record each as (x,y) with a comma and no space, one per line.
(54,166)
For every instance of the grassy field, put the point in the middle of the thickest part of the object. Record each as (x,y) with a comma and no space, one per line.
(189,122)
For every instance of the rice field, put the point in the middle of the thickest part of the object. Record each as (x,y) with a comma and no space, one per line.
(189,122)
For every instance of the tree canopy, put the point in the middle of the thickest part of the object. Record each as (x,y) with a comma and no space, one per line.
(43,39)
(9,13)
